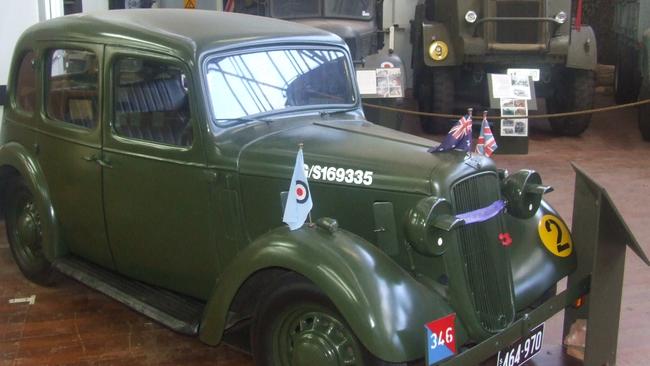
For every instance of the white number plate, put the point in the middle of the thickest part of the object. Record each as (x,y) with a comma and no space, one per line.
(523,350)
(340,175)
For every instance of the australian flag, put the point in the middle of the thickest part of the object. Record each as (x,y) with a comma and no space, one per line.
(486,143)
(458,138)
(299,202)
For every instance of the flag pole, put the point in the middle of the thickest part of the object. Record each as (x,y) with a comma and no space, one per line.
(300,146)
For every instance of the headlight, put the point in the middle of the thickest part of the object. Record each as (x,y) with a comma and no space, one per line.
(561,17)
(429,225)
(523,192)
(471,17)
(438,50)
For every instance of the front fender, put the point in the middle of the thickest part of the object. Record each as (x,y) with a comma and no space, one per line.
(383,304)
(16,156)
(534,268)
(583,49)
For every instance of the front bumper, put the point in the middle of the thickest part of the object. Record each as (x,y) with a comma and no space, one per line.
(520,328)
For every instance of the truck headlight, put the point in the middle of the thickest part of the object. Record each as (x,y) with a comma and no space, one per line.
(471,17)
(438,50)
(561,17)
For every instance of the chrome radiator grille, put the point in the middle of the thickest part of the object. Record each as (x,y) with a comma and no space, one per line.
(487,266)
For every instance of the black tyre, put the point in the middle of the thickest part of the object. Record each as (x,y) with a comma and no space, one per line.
(626,78)
(296,324)
(24,231)
(439,99)
(574,92)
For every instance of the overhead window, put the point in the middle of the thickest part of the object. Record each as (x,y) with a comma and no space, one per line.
(26,84)
(151,102)
(72,88)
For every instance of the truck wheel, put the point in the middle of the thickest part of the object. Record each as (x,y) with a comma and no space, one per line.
(296,324)
(626,81)
(23,222)
(441,101)
(574,91)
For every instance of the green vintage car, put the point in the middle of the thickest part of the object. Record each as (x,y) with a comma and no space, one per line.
(147,153)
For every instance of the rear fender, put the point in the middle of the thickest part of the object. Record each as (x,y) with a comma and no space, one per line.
(15,155)
(383,304)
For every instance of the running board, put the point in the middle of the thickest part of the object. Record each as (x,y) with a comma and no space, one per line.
(180,313)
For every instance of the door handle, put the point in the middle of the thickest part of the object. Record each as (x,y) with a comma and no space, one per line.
(89,159)
(104,163)
(94,158)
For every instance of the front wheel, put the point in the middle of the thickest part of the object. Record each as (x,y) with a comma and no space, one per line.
(24,231)
(574,91)
(296,324)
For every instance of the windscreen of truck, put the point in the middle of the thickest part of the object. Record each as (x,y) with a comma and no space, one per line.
(351,9)
(357,9)
(262,82)
(291,9)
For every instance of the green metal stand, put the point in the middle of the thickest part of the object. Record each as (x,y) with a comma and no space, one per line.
(601,238)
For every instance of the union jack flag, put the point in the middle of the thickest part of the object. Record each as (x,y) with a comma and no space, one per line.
(458,138)
(486,143)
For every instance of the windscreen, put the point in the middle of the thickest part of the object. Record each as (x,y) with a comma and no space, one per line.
(257,83)
(288,9)
(352,9)
(362,9)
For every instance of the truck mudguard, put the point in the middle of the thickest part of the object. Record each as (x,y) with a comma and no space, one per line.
(18,157)
(383,304)
(439,32)
(583,51)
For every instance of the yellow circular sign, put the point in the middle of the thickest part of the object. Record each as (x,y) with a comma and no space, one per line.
(555,236)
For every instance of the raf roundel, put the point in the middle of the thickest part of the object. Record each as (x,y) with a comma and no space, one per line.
(302,192)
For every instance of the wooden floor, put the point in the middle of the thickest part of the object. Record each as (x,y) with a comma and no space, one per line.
(72,325)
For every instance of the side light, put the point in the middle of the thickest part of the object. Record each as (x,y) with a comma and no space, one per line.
(438,50)
(471,17)
(561,17)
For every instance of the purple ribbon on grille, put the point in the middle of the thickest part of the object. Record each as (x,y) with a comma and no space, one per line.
(482,214)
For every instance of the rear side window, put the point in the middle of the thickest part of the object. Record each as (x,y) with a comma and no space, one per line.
(26,84)
(151,102)
(72,88)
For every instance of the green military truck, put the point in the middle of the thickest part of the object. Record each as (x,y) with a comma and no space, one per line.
(457,43)
(358,22)
(632,78)
(147,154)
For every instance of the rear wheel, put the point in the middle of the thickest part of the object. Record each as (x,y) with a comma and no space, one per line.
(296,324)
(574,91)
(626,78)
(24,231)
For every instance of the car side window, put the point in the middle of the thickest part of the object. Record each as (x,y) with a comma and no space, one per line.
(25,94)
(151,102)
(72,88)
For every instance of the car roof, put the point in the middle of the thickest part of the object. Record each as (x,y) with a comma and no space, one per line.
(185,33)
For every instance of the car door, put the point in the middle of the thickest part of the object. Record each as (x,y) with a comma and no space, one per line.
(69,145)
(156,183)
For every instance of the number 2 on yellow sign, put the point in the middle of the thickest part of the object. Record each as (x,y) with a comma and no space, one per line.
(556,236)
